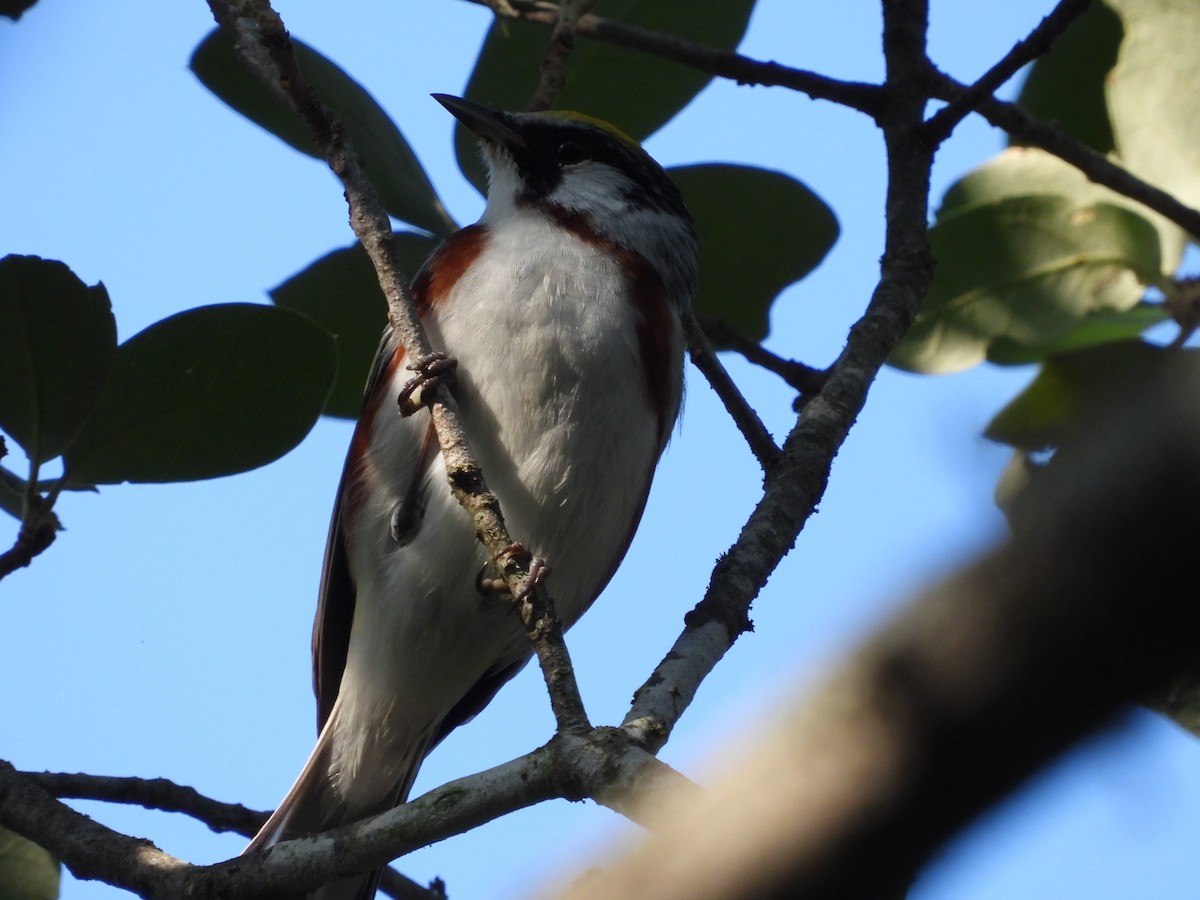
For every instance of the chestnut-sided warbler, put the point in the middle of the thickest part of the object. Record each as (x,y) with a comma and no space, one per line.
(562,306)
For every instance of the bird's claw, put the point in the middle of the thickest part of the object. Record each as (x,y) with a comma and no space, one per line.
(491,582)
(538,568)
(432,370)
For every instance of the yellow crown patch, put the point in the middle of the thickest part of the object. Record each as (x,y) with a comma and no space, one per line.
(574,116)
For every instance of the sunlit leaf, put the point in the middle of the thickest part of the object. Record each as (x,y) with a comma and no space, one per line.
(207,392)
(1153,100)
(393,168)
(27,871)
(1027,249)
(57,341)
(340,292)
(636,91)
(1066,86)
(780,228)
(1021,171)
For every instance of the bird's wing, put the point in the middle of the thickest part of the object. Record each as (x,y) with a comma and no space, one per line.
(335,604)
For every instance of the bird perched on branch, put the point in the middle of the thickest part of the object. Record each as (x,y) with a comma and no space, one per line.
(563,307)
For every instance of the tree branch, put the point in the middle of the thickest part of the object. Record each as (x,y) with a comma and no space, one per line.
(152,793)
(552,76)
(805,379)
(762,445)
(90,850)
(166,796)
(39,525)
(601,764)
(722,63)
(797,483)
(1039,41)
(38,530)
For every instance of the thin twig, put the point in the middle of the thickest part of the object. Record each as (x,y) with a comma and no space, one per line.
(1038,43)
(805,379)
(29,543)
(1097,167)
(552,76)
(39,525)
(722,63)
(151,793)
(762,445)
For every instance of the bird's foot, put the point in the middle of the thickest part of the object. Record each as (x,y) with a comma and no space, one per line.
(491,582)
(432,370)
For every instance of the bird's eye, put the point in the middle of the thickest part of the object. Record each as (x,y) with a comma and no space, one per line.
(569,151)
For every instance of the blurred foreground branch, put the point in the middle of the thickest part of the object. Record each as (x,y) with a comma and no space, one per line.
(980,682)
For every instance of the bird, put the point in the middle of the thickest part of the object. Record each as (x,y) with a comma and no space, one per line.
(560,313)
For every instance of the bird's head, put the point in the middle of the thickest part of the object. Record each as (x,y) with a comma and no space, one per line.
(589,176)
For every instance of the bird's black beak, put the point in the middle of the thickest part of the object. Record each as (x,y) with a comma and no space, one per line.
(486,124)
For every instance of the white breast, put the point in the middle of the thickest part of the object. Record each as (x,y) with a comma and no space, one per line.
(554,403)
(554,397)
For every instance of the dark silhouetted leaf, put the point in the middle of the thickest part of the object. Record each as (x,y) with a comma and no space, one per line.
(57,341)
(635,91)
(12,493)
(393,168)
(1076,388)
(1097,328)
(207,392)
(759,232)
(341,293)
(14,9)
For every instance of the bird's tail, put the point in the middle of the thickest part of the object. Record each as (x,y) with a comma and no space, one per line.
(313,804)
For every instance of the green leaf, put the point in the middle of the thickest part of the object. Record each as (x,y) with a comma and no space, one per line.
(57,341)
(341,293)
(12,493)
(27,870)
(1075,388)
(1102,327)
(1026,249)
(14,9)
(1067,85)
(1153,100)
(1027,269)
(1021,171)
(207,392)
(759,232)
(390,162)
(636,91)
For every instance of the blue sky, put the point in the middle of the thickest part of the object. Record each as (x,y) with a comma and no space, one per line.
(166,632)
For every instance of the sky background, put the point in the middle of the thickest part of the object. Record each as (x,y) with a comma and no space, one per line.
(166,632)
